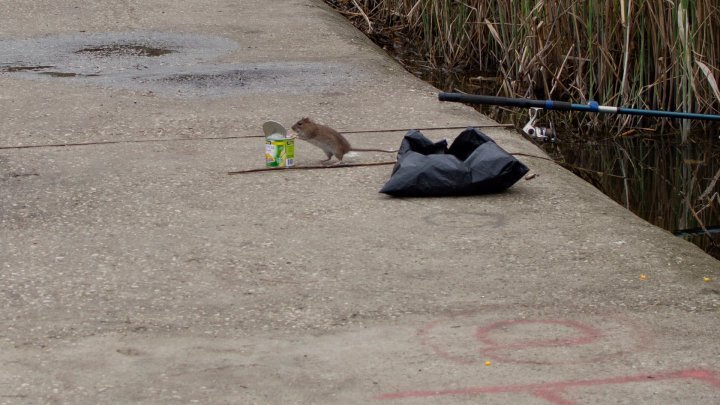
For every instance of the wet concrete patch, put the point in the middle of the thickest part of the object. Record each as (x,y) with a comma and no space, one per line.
(15,69)
(67,74)
(164,63)
(42,70)
(288,78)
(112,50)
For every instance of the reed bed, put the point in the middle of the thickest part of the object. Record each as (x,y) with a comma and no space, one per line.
(642,53)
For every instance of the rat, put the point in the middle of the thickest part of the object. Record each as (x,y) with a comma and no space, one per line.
(329,140)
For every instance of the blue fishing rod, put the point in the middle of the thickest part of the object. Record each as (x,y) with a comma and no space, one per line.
(592,107)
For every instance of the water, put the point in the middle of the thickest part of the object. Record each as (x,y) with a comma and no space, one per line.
(671,184)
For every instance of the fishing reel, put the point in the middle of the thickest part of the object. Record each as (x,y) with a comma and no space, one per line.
(540,133)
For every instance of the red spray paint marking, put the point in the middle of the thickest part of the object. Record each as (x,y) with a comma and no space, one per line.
(586,336)
(552,392)
(492,349)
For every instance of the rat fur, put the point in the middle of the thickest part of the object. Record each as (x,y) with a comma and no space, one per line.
(329,140)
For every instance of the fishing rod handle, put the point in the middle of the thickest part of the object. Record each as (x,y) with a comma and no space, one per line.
(504,101)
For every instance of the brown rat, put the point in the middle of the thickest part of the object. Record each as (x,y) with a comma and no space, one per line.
(329,140)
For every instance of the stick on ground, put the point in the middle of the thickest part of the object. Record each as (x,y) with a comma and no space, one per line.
(340,166)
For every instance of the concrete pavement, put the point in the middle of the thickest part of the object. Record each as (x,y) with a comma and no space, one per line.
(134,269)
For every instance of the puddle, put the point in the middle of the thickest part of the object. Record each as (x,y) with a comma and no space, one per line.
(14,69)
(215,79)
(184,65)
(42,70)
(125,50)
(270,78)
(67,74)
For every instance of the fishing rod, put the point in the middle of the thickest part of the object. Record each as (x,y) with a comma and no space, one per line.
(708,230)
(592,107)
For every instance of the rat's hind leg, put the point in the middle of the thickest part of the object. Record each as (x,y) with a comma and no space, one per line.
(329,156)
(339,158)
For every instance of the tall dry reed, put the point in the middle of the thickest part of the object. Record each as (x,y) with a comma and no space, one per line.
(642,53)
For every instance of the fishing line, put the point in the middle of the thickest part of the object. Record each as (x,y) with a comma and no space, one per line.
(160,140)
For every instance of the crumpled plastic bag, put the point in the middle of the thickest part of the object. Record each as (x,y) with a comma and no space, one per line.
(473,164)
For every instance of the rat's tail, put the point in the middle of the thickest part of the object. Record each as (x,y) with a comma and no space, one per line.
(373,150)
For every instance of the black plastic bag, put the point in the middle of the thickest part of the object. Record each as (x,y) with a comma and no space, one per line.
(473,164)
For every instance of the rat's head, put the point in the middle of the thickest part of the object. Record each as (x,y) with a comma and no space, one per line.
(304,127)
